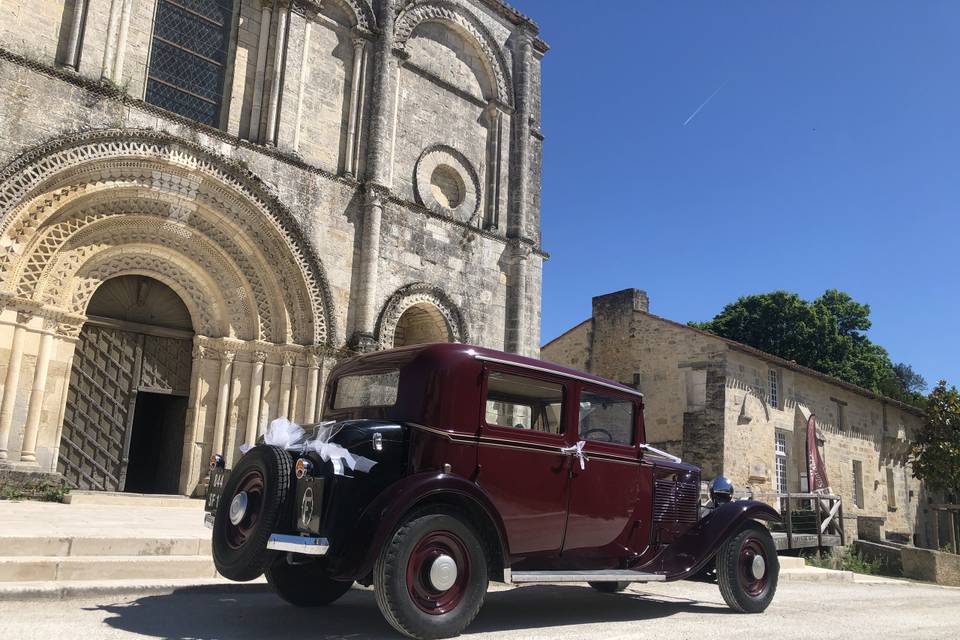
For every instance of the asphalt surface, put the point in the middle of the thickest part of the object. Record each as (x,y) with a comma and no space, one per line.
(675,611)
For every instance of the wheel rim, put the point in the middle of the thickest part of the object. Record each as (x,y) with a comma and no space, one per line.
(251,486)
(753,567)
(429,563)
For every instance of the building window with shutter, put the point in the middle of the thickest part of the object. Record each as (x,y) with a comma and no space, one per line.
(858,484)
(188,58)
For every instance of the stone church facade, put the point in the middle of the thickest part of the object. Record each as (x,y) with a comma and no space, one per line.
(739,412)
(204,204)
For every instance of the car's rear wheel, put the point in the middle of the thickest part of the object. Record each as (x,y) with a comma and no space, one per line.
(305,585)
(748,569)
(609,587)
(254,499)
(431,577)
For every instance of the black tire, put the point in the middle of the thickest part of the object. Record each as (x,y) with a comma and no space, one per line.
(740,587)
(609,587)
(305,585)
(240,551)
(404,594)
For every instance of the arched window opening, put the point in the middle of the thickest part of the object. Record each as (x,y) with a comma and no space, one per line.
(421,324)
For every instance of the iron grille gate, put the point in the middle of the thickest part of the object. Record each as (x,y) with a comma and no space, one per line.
(109,366)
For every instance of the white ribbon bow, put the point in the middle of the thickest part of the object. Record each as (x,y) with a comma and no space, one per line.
(288,435)
(577,450)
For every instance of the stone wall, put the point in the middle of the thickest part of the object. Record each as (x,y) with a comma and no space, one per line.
(710,400)
(368,159)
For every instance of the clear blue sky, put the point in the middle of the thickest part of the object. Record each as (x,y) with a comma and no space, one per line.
(829,158)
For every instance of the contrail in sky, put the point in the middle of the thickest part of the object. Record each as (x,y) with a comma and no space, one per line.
(705,103)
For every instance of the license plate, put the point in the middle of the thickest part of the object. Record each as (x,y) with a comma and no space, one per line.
(218,478)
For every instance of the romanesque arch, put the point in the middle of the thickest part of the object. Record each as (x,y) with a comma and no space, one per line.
(435,307)
(467,25)
(81,210)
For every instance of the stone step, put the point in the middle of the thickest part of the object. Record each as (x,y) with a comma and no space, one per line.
(791,562)
(45,568)
(132,499)
(18,546)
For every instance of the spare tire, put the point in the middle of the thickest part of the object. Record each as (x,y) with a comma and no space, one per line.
(255,498)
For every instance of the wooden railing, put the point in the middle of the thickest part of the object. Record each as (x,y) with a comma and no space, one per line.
(827,509)
(951,510)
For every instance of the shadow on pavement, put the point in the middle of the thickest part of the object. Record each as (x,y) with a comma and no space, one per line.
(257,614)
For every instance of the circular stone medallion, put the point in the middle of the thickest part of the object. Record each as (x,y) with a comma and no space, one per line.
(446,183)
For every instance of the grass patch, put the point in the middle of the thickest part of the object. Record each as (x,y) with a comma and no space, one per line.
(42,489)
(842,559)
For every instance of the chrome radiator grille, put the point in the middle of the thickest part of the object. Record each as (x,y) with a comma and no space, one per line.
(676,501)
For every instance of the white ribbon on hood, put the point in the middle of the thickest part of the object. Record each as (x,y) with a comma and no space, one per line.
(290,436)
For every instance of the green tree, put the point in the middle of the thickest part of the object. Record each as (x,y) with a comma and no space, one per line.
(906,385)
(936,445)
(827,335)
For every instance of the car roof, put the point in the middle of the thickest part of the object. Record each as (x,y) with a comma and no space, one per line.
(452,354)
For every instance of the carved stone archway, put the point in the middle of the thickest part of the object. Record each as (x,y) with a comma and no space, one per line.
(433,306)
(81,210)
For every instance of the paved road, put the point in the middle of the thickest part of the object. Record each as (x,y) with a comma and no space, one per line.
(676,611)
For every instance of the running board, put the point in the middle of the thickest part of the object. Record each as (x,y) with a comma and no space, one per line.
(611,575)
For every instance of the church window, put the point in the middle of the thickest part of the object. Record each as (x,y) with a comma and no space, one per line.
(188,57)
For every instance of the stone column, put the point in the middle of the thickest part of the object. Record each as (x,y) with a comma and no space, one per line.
(302,87)
(493,117)
(117,73)
(279,62)
(253,406)
(12,382)
(67,332)
(313,376)
(72,56)
(109,49)
(223,402)
(517,298)
(517,226)
(379,161)
(359,49)
(286,374)
(31,429)
(263,43)
(193,441)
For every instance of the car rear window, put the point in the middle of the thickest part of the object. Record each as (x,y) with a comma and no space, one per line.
(366,390)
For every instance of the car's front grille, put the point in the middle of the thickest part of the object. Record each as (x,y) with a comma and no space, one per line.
(676,501)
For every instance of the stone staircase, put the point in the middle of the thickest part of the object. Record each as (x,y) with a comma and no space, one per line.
(102,542)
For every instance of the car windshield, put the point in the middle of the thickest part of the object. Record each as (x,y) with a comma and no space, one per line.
(367,390)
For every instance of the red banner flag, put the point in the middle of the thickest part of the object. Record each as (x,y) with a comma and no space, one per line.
(816,470)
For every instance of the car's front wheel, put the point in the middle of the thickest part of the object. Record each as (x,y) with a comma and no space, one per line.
(431,577)
(748,569)
(305,585)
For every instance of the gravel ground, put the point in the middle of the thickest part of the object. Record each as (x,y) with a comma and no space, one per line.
(680,610)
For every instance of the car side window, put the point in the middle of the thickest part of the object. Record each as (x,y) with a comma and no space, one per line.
(524,403)
(606,418)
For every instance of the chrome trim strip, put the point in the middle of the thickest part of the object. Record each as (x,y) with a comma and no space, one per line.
(660,452)
(531,367)
(208,519)
(621,575)
(298,544)
(507,576)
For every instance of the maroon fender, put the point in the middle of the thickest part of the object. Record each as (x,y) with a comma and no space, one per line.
(379,520)
(692,551)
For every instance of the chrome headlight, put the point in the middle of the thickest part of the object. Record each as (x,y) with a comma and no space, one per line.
(721,490)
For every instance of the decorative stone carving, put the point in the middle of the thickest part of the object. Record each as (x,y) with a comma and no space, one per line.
(446,183)
(442,10)
(414,294)
(226,188)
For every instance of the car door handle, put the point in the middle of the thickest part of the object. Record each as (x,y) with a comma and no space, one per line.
(577,451)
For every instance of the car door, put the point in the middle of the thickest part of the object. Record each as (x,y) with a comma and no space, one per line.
(523,467)
(605,513)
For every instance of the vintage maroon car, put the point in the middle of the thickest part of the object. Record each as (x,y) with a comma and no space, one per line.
(441,467)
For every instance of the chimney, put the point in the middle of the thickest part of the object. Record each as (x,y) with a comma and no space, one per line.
(620,302)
